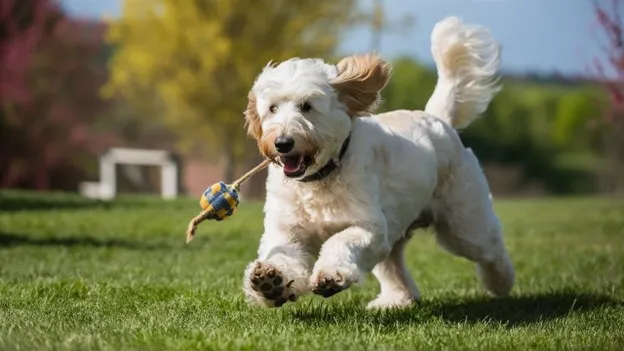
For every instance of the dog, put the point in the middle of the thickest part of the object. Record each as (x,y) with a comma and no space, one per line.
(346,187)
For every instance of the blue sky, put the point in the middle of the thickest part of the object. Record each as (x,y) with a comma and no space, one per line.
(542,36)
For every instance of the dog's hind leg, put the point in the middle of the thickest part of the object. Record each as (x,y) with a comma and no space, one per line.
(397,286)
(467,226)
(482,244)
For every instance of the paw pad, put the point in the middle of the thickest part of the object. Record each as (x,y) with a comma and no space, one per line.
(269,281)
(328,285)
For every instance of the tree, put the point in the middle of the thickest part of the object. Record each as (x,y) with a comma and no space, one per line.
(400,92)
(191,63)
(573,119)
(49,97)
(23,26)
(380,24)
(611,72)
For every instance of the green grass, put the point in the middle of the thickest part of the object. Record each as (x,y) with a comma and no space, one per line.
(78,274)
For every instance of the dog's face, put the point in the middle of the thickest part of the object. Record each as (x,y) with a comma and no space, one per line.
(300,111)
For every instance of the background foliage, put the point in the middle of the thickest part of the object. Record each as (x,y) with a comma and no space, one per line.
(175,75)
(191,63)
(51,70)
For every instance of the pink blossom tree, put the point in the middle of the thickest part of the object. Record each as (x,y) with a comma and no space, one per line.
(610,71)
(50,79)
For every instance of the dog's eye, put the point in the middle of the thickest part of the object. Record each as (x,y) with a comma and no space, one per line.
(273,108)
(305,107)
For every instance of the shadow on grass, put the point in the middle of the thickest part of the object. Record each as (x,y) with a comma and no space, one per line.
(510,311)
(31,201)
(10,202)
(524,309)
(13,240)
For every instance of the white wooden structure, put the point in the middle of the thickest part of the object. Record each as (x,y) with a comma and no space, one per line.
(106,188)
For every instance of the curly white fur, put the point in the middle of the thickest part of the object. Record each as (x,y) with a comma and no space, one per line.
(400,167)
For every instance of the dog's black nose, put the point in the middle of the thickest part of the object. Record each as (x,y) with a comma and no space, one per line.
(284,144)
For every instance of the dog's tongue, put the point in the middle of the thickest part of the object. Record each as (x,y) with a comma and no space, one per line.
(292,163)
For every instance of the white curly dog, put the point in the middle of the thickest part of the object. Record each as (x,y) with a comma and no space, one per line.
(347,186)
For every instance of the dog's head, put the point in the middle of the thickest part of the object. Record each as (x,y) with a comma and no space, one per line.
(300,111)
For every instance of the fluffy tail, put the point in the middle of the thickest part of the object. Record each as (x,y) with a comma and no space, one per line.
(467,59)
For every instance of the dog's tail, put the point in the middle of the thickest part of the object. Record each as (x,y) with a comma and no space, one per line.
(467,59)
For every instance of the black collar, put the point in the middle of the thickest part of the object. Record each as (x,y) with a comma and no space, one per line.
(330,166)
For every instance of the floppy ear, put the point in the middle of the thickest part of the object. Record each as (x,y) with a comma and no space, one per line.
(359,82)
(252,119)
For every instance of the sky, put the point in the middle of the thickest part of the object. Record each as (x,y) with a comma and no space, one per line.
(537,36)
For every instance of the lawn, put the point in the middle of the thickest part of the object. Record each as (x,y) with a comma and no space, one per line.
(78,274)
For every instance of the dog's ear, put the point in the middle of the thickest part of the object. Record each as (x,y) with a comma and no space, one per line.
(252,118)
(359,82)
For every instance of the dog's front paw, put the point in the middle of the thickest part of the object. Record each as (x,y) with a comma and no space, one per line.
(330,282)
(268,285)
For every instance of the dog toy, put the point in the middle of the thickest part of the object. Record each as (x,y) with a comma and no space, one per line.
(220,200)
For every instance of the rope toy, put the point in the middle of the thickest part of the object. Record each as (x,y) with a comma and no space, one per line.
(220,200)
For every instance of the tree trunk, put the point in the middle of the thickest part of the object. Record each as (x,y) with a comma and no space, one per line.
(10,177)
(41,178)
(613,172)
(617,154)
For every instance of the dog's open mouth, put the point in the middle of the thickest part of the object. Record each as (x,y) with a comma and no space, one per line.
(295,165)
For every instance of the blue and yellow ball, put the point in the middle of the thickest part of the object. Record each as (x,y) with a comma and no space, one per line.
(219,200)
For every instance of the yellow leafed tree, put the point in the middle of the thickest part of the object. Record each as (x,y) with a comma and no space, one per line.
(192,62)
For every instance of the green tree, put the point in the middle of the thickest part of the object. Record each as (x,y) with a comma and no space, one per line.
(575,112)
(410,87)
(191,63)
